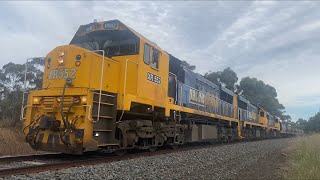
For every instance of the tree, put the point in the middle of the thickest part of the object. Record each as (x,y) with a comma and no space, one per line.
(187,65)
(228,78)
(301,123)
(286,118)
(12,86)
(213,77)
(313,125)
(261,94)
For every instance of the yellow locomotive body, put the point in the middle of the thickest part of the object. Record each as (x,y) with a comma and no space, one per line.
(109,90)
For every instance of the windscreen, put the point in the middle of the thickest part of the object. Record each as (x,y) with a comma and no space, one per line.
(113,42)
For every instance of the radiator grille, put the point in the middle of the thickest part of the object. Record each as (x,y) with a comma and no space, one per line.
(52,104)
(49,101)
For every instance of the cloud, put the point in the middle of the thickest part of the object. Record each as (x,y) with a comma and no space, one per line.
(274,41)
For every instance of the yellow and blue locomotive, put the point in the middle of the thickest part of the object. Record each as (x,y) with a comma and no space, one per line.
(113,89)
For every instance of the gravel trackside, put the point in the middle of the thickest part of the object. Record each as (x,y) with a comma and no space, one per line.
(222,162)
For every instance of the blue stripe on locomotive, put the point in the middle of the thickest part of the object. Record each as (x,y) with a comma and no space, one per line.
(247,110)
(203,91)
(253,109)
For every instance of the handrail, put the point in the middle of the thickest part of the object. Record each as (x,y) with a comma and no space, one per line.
(101,81)
(25,85)
(89,113)
(22,112)
(125,86)
(176,79)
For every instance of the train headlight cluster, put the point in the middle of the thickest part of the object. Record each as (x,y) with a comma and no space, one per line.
(61,58)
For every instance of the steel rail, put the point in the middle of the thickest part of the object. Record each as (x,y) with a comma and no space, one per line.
(8,159)
(93,160)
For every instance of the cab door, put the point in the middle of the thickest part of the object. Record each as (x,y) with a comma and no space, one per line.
(153,75)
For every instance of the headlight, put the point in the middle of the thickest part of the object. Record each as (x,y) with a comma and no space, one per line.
(60,58)
(60,61)
(36,100)
(83,100)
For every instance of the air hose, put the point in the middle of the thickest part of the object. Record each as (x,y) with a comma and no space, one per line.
(31,136)
(64,119)
(66,124)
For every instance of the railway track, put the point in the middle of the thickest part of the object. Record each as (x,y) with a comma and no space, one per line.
(84,161)
(68,161)
(9,159)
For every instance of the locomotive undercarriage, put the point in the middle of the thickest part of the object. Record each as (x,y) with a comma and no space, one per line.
(146,134)
(253,133)
(148,130)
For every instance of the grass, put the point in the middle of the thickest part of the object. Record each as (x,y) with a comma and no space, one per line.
(12,139)
(304,162)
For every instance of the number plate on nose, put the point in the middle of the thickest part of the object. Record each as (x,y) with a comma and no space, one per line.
(63,73)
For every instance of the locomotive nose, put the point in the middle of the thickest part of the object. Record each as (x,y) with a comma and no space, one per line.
(66,63)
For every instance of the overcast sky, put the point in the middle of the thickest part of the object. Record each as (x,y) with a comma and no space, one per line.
(277,42)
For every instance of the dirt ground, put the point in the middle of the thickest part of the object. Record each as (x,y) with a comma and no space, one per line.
(273,166)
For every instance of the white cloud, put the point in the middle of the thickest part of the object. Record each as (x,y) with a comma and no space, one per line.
(312,26)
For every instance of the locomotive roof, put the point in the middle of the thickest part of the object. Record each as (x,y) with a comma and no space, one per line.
(243,99)
(111,25)
(201,78)
(227,90)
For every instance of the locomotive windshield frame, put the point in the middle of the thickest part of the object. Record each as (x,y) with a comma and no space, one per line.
(113,42)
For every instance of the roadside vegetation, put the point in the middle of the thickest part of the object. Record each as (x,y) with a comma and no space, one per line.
(304,161)
(12,139)
(11,88)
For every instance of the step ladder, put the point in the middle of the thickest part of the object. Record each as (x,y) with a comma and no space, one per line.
(104,113)
(177,119)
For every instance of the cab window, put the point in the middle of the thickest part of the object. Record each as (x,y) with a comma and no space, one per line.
(261,113)
(155,58)
(146,56)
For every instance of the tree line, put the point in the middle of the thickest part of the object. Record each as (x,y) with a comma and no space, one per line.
(310,126)
(263,95)
(254,90)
